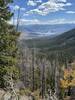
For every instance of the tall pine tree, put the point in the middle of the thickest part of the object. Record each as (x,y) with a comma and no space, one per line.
(8,44)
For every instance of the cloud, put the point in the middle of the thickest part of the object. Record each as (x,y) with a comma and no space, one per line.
(25,14)
(31,3)
(50,6)
(68,4)
(38,1)
(62,0)
(36,21)
(16,7)
(37,11)
(70,12)
(22,9)
(24,21)
(61,21)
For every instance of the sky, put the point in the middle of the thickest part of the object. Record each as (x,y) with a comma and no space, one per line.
(43,11)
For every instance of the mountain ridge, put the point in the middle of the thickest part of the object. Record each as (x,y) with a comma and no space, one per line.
(34,31)
(62,41)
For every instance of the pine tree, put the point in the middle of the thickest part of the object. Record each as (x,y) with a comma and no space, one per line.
(8,45)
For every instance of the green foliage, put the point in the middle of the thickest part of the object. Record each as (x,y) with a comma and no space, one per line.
(24,91)
(37,78)
(50,81)
(5,13)
(8,44)
(28,92)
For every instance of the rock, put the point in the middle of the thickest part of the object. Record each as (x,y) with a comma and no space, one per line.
(1,93)
(7,96)
(24,98)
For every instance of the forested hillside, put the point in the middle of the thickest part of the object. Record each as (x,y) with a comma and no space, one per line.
(65,40)
(41,68)
(48,58)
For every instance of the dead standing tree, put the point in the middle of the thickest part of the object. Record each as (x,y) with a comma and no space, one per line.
(57,77)
(33,67)
(43,79)
(18,19)
(24,66)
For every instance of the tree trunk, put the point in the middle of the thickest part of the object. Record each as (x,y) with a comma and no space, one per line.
(33,65)
(57,78)
(43,79)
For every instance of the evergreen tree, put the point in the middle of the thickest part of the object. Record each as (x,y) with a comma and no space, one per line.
(8,44)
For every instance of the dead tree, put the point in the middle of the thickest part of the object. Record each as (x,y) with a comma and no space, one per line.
(33,65)
(57,77)
(18,19)
(43,79)
(23,66)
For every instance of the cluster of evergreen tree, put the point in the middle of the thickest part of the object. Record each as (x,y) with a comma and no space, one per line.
(8,45)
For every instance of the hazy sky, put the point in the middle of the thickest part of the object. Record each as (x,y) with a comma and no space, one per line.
(44,11)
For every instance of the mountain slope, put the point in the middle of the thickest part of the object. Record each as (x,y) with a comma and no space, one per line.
(63,41)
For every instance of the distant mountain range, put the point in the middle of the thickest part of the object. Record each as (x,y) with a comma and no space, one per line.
(34,31)
(63,41)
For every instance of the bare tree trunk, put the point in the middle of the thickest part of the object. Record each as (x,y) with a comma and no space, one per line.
(24,62)
(33,65)
(57,78)
(43,79)
(18,19)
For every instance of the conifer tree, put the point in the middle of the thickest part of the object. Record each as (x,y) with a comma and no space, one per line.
(8,45)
